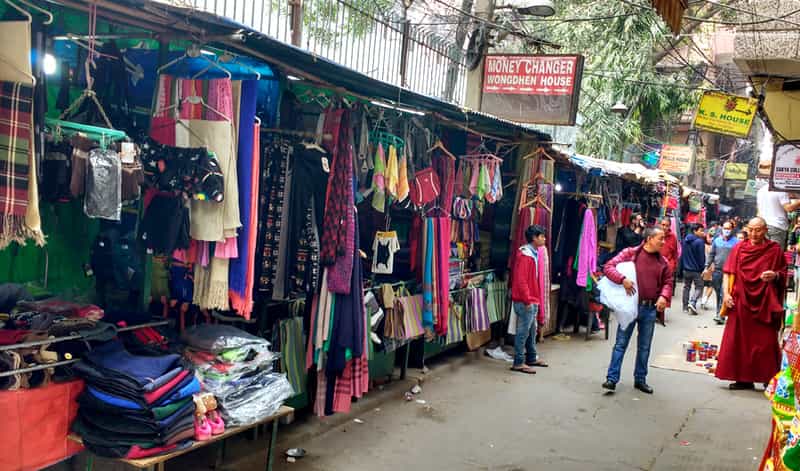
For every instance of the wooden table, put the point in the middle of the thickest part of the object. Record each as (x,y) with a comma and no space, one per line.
(156,463)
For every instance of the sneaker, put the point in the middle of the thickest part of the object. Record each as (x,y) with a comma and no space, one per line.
(693,310)
(719,320)
(610,386)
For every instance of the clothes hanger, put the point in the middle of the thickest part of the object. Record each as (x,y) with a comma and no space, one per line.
(193,100)
(194,52)
(31,6)
(228,58)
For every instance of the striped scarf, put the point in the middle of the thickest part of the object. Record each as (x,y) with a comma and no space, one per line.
(16,104)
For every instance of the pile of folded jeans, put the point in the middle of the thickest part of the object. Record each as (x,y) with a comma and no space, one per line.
(134,406)
(237,368)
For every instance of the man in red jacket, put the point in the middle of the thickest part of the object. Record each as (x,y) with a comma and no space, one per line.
(526,296)
(654,278)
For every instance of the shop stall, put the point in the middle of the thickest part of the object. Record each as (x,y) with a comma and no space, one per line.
(195,238)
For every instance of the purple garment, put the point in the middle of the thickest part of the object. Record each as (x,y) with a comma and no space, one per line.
(341,273)
(587,252)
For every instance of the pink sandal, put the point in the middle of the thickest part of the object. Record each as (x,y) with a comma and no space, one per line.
(216,422)
(202,428)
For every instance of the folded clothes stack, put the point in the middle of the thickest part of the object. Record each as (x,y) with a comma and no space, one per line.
(134,406)
(237,368)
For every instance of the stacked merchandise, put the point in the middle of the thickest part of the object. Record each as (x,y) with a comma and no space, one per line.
(134,406)
(236,367)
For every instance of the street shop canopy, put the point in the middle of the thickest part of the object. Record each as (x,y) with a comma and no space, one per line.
(627,171)
(172,22)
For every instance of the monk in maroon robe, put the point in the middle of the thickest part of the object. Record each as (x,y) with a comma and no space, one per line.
(750,352)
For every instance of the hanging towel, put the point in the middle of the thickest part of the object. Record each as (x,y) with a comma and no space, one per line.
(474,180)
(247,165)
(391,175)
(427,273)
(484,184)
(403,187)
(443,278)
(587,250)
(458,187)
(379,181)
(543,266)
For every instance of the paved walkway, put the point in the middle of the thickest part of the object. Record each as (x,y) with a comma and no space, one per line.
(480,416)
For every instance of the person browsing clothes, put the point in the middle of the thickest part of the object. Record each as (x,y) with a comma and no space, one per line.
(527,297)
(655,279)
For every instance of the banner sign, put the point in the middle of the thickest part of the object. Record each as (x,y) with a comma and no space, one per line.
(736,171)
(750,188)
(676,159)
(785,173)
(725,114)
(539,89)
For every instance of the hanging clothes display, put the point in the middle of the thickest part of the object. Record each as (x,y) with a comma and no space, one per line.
(248,165)
(272,189)
(383,250)
(379,180)
(586,257)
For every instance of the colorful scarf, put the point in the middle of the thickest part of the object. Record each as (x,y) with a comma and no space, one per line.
(248,162)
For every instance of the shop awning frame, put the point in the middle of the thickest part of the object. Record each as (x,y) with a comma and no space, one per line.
(172,22)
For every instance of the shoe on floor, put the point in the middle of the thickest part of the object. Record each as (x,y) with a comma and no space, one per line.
(740,386)
(693,310)
(643,387)
(719,320)
(611,386)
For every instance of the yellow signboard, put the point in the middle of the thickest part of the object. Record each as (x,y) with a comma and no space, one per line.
(734,171)
(676,159)
(725,114)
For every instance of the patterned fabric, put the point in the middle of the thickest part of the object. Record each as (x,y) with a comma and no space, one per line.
(455,327)
(292,362)
(340,191)
(410,309)
(16,103)
(477,314)
(273,192)
(306,263)
(497,301)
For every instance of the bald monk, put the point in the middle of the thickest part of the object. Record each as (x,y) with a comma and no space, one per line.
(750,352)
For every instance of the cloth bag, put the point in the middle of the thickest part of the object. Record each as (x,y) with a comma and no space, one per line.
(408,308)
(455,327)
(612,295)
(478,327)
(426,187)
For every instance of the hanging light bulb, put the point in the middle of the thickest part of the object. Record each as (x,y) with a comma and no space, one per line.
(559,187)
(49,64)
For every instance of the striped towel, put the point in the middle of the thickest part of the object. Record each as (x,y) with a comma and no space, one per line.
(497,300)
(16,104)
(477,314)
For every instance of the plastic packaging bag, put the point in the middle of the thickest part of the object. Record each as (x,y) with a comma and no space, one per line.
(218,337)
(614,296)
(103,197)
(258,397)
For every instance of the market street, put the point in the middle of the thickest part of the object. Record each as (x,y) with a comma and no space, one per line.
(480,416)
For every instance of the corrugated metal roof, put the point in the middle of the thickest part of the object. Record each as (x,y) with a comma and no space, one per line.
(300,62)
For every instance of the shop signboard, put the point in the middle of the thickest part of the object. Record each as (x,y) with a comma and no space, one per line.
(736,171)
(676,159)
(785,173)
(651,158)
(530,88)
(750,188)
(725,114)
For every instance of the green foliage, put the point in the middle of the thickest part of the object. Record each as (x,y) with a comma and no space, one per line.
(329,20)
(618,48)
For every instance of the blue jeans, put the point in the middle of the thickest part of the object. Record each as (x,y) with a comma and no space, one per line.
(647,323)
(525,340)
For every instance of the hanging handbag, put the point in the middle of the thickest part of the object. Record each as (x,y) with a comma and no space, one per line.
(426,187)
(479,330)
(409,310)
(455,325)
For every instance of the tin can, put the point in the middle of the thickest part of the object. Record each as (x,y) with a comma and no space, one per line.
(702,354)
(691,355)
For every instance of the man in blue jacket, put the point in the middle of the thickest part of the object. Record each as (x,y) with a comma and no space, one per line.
(693,260)
(720,249)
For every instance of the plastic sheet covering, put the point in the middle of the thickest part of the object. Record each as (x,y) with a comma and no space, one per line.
(103,185)
(217,338)
(220,377)
(255,398)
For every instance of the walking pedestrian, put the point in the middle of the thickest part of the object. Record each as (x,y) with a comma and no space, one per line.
(670,247)
(693,260)
(750,352)
(773,207)
(527,297)
(655,280)
(721,248)
(630,235)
